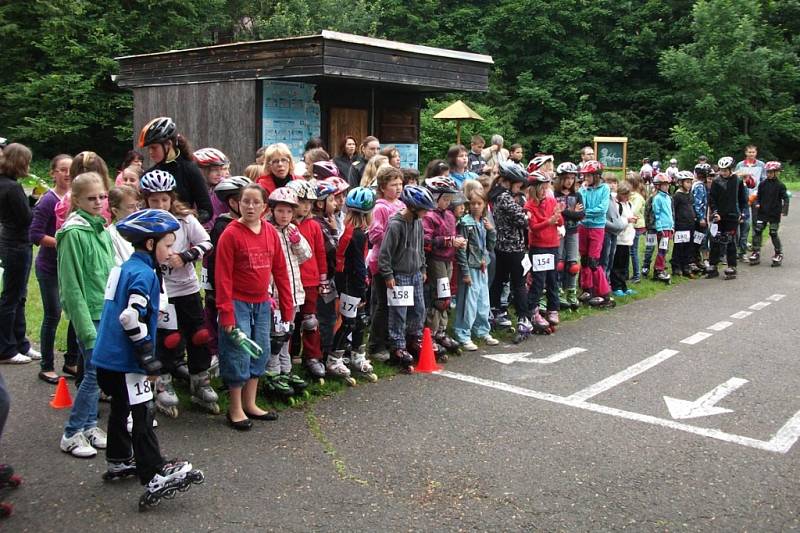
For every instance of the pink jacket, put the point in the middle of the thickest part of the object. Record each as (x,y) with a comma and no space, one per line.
(383,211)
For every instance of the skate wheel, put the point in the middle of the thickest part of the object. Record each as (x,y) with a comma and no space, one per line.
(107,476)
(321,382)
(197,477)
(6,510)
(306,395)
(14,481)
(291,401)
(350,380)
(372,378)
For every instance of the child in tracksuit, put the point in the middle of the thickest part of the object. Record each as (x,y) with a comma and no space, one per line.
(700,206)
(727,200)
(472,303)
(571,203)
(401,264)
(771,202)
(591,236)
(441,243)
(683,208)
(664,224)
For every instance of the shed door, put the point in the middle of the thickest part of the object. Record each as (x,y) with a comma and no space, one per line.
(346,121)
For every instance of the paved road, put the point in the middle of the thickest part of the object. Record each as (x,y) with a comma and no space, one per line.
(552,438)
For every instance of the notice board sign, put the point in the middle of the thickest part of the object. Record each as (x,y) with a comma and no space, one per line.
(409,155)
(612,152)
(289,115)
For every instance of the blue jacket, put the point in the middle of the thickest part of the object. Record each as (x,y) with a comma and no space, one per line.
(113,350)
(662,210)
(461,178)
(595,205)
(700,198)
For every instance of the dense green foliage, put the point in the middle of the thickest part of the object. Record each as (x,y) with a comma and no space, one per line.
(678,77)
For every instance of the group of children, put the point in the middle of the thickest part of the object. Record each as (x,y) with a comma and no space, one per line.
(299,268)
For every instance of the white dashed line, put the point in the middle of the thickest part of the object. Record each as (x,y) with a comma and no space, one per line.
(777,297)
(759,306)
(719,326)
(697,337)
(741,314)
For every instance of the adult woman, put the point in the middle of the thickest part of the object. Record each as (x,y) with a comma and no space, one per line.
(278,167)
(369,149)
(171,152)
(347,157)
(15,254)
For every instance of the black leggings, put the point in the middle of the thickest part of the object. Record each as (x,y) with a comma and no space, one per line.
(190,319)
(509,267)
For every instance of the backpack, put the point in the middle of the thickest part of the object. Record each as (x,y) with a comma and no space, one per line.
(649,216)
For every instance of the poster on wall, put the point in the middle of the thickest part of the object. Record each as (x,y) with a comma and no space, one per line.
(289,115)
(409,155)
(612,152)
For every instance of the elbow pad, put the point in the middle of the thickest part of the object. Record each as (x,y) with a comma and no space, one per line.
(132,318)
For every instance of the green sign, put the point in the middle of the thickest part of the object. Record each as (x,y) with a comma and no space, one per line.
(610,154)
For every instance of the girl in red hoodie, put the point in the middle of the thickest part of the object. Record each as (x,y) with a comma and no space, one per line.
(543,243)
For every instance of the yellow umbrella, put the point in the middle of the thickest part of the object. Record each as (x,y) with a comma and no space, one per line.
(458,111)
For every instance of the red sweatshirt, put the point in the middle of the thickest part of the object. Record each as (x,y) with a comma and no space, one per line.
(244,263)
(542,234)
(311,270)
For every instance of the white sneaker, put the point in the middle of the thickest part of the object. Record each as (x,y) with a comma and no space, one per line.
(469,346)
(96,437)
(33,354)
(18,359)
(490,341)
(77,445)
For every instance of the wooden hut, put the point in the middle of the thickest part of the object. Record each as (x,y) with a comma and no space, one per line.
(238,97)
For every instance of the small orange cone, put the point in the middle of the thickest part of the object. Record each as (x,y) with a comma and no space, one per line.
(427,361)
(61,399)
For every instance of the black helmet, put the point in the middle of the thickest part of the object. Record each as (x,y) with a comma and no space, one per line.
(158,130)
(512,172)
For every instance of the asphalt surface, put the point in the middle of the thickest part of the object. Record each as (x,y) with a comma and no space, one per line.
(585,443)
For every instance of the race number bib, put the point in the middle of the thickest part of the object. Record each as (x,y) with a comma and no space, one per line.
(204,284)
(348,305)
(650,239)
(713,229)
(663,244)
(682,237)
(526,264)
(167,319)
(111,284)
(542,262)
(140,389)
(443,288)
(698,237)
(400,296)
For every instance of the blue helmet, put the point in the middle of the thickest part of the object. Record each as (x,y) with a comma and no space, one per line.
(361,199)
(325,189)
(416,197)
(146,224)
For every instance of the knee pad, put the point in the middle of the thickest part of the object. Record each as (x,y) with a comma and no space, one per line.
(560,266)
(585,260)
(173,340)
(201,337)
(442,304)
(773,231)
(759,227)
(310,322)
(573,268)
(594,262)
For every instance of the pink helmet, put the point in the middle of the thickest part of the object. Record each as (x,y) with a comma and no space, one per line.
(660,178)
(773,165)
(283,195)
(341,184)
(325,169)
(210,157)
(591,167)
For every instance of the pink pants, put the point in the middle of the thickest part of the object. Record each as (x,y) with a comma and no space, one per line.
(593,276)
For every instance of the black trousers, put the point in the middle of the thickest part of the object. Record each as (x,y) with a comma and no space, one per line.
(509,268)
(142,443)
(619,269)
(191,319)
(724,241)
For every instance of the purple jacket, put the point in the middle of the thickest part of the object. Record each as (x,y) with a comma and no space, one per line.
(44,225)
(440,229)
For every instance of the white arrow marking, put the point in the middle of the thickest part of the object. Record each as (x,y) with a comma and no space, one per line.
(524,357)
(777,297)
(759,306)
(705,405)
(697,337)
(741,314)
(719,326)
(506,358)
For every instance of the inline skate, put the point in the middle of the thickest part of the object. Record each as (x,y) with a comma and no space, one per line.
(336,366)
(603,302)
(175,476)
(730,273)
(540,324)
(499,321)
(360,365)
(276,386)
(755,258)
(402,358)
(121,469)
(8,480)
(524,330)
(166,399)
(202,393)
(553,319)
(448,343)
(663,276)
(777,259)
(316,369)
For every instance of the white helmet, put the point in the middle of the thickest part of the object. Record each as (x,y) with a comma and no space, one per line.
(673,161)
(157,181)
(566,168)
(725,162)
(305,189)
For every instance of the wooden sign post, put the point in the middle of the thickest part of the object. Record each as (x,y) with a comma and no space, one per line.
(612,152)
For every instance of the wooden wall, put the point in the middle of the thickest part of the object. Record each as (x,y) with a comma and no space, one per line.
(223,115)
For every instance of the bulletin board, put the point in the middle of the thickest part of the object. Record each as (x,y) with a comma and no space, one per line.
(612,152)
(289,115)
(409,155)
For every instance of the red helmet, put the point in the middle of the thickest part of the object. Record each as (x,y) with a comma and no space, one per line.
(538,177)
(591,167)
(537,162)
(773,165)
(210,157)
(324,169)
(660,178)
(341,184)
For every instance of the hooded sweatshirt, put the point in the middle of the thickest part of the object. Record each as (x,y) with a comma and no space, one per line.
(383,211)
(595,206)
(402,248)
(440,229)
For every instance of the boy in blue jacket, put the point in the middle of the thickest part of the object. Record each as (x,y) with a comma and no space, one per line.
(126,362)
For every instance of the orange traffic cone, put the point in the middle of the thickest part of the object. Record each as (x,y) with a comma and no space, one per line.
(61,399)
(427,361)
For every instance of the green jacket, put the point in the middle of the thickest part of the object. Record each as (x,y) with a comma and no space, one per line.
(85,258)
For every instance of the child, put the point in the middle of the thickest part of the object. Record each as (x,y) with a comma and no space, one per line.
(351,280)
(42,233)
(637,201)
(248,258)
(614,225)
(771,202)
(390,186)
(543,244)
(441,243)
(410,176)
(338,197)
(85,258)
(700,205)
(476,162)
(472,303)
(130,177)
(402,267)
(324,210)
(591,235)
(126,362)
(571,205)
(212,164)
(664,224)
(625,239)
(512,244)
(459,165)
(371,170)
(683,207)
(183,322)
(283,202)
(314,274)
(122,201)
(727,200)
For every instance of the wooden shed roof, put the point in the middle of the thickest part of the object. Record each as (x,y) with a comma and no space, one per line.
(330,56)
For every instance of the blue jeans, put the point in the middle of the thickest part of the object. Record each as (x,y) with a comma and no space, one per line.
(84,409)
(51,316)
(236,367)
(607,255)
(635,255)
(472,307)
(16,260)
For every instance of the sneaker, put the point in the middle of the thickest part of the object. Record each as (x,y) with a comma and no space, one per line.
(630,292)
(469,346)
(33,354)
(637,279)
(490,341)
(18,359)
(77,445)
(619,293)
(97,438)
(381,356)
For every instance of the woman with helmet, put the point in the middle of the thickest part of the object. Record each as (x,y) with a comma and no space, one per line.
(512,244)
(278,166)
(126,362)
(351,281)
(591,235)
(401,264)
(727,201)
(171,153)
(215,166)
(571,202)
(324,210)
